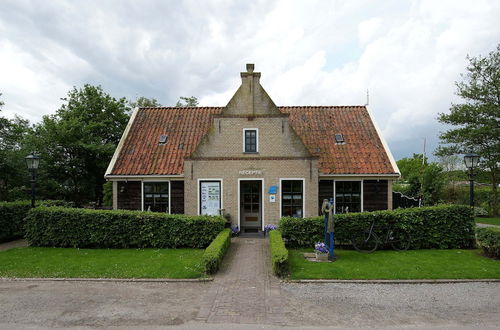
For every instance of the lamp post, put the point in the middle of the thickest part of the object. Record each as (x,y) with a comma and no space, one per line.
(471,161)
(32,161)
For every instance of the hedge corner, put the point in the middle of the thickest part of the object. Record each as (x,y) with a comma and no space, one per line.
(279,254)
(488,239)
(214,253)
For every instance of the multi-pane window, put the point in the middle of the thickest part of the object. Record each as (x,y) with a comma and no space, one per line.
(292,197)
(250,140)
(156,196)
(347,196)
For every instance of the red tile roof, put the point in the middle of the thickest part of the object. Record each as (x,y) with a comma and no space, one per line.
(362,153)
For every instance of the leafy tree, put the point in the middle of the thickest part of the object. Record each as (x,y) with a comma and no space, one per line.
(476,121)
(187,102)
(144,102)
(78,142)
(423,180)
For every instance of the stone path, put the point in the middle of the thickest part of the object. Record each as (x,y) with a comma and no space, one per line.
(245,291)
(13,244)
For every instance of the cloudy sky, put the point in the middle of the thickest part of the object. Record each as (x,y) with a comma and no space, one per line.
(408,54)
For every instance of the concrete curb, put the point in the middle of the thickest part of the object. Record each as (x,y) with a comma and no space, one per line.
(423,281)
(77,279)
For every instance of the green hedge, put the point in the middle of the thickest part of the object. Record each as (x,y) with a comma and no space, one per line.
(214,253)
(12,219)
(488,239)
(441,227)
(72,227)
(279,253)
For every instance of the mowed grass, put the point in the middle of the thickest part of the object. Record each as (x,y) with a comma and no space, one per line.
(101,263)
(412,264)
(489,221)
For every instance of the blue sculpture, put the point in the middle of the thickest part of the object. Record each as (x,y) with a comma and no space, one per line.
(327,210)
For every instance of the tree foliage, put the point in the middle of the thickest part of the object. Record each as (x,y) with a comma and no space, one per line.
(144,102)
(187,102)
(77,142)
(476,121)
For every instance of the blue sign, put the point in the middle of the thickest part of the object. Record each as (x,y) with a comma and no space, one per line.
(273,189)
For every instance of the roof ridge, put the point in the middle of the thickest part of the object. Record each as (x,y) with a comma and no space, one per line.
(169,108)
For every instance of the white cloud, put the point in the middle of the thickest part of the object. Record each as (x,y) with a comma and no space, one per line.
(408,54)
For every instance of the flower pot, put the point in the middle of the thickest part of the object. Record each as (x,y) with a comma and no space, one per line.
(321,256)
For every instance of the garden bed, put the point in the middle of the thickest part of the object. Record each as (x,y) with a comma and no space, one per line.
(394,265)
(101,263)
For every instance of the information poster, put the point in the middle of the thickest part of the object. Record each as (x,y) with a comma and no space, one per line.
(210,197)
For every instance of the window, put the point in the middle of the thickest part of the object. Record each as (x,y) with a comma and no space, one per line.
(210,197)
(156,196)
(347,196)
(292,198)
(251,143)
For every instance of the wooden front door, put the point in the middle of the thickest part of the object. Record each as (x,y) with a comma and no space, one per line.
(251,204)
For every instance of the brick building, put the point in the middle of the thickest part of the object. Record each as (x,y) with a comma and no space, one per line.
(252,159)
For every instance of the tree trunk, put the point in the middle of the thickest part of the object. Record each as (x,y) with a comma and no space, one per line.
(494,205)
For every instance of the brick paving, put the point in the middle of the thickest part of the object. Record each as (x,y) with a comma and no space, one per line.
(245,291)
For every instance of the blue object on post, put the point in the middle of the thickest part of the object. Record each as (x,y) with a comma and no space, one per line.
(273,190)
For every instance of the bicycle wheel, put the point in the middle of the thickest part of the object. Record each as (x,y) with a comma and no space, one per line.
(365,242)
(400,240)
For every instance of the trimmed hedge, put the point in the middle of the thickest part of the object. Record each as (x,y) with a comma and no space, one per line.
(279,253)
(12,219)
(72,227)
(214,253)
(441,227)
(488,239)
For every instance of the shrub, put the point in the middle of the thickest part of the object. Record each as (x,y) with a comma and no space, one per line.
(442,227)
(73,227)
(480,212)
(12,219)
(488,239)
(214,253)
(279,253)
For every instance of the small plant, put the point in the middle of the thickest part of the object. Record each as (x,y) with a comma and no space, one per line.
(320,247)
(480,212)
(270,227)
(235,230)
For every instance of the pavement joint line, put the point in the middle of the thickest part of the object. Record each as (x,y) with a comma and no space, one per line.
(421,281)
(78,279)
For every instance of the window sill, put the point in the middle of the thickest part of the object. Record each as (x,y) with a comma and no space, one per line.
(251,152)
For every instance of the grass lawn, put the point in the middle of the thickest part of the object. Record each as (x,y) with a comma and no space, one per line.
(412,264)
(101,263)
(489,221)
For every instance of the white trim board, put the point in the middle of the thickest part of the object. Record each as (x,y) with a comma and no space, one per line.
(303,195)
(384,143)
(262,200)
(121,143)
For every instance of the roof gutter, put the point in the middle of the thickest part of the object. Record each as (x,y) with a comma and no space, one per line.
(121,143)
(145,176)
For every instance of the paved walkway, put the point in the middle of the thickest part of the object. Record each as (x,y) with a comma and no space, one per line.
(484,225)
(245,291)
(13,244)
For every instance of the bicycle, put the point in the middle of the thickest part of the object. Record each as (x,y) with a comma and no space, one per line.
(367,241)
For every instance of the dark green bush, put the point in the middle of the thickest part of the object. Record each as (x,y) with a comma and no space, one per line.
(12,219)
(279,253)
(441,227)
(488,239)
(72,227)
(214,253)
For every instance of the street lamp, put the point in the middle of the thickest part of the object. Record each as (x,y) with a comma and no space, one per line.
(471,161)
(32,161)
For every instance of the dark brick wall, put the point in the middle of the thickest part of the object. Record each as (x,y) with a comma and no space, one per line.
(374,195)
(129,195)
(177,198)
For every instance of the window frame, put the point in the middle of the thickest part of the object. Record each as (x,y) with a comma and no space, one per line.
(303,195)
(256,140)
(156,181)
(335,192)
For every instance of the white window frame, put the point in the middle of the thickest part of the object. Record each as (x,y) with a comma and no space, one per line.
(303,195)
(335,193)
(256,140)
(221,181)
(157,181)
(262,200)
